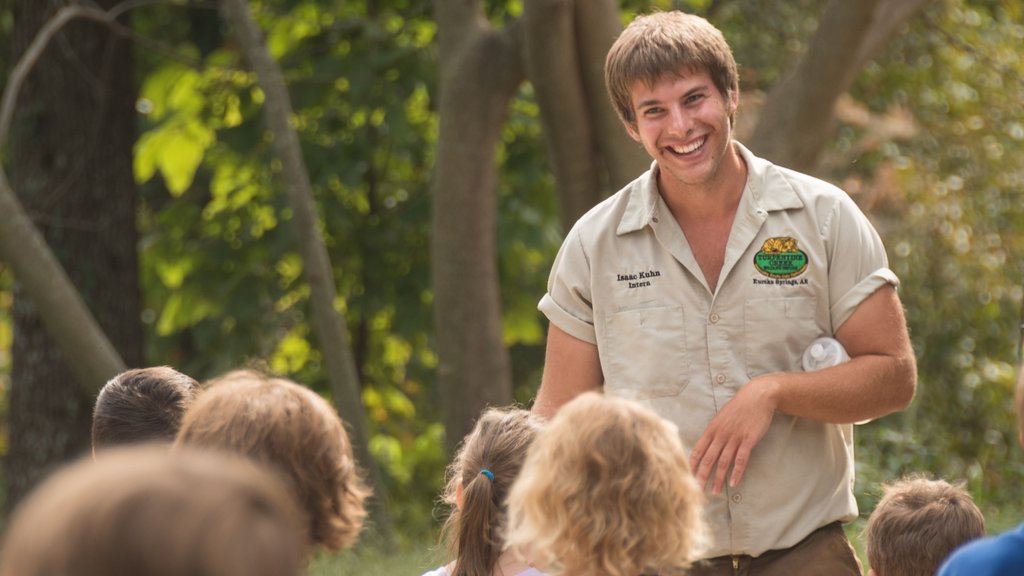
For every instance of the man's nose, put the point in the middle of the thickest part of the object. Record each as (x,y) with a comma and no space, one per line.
(679,121)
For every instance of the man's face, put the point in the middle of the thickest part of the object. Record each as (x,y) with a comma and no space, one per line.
(684,124)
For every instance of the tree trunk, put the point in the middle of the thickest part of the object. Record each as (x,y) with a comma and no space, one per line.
(797,119)
(598,24)
(71,165)
(554,69)
(565,45)
(329,323)
(480,71)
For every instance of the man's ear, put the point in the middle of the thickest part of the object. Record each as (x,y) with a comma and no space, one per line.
(458,495)
(871,572)
(734,100)
(631,130)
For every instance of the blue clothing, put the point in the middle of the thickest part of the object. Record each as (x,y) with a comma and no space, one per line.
(1001,555)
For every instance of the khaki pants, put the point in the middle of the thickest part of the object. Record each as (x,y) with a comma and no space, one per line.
(825,552)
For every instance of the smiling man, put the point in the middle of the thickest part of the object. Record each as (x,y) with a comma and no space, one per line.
(696,289)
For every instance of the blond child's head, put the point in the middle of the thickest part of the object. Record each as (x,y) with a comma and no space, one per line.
(917,523)
(606,489)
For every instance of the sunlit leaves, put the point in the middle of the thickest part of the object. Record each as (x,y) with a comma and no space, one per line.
(187,108)
(293,351)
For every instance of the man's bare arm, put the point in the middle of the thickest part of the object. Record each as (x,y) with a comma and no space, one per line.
(879,379)
(571,367)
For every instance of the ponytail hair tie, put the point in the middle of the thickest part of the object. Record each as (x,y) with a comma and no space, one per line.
(488,473)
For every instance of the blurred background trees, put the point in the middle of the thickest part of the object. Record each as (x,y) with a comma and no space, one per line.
(928,138)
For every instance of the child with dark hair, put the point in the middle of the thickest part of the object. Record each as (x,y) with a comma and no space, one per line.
(144,510)
(141,405)
(917,524)
(479,479)
(294,431)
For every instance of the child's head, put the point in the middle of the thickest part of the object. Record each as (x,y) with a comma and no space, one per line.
(145,510)
(141,405)
(606,489)
(666,44)
(479,478)
(293,430)
(917,523)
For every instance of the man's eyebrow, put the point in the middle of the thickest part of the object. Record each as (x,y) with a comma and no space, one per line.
(687,94)
(648,102)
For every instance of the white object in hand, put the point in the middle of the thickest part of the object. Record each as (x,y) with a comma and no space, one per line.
(824,352)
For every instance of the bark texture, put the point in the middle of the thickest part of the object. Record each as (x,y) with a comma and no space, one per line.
(480,72)
(71,166)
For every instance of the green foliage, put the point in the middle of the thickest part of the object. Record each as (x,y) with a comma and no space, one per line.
(222,280)
(936,164)
(949,201)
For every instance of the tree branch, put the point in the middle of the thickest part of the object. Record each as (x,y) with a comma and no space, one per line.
(60,306)
(553,67)
(597,26)
(796,120)
(328,320)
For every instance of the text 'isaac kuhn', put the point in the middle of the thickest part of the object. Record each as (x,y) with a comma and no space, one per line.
(633,279)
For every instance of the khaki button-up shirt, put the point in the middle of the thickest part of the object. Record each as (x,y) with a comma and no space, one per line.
(800,258)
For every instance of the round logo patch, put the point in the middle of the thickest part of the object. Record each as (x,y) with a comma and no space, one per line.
(780,258)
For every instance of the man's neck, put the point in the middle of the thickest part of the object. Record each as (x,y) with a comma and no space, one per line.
(713,200)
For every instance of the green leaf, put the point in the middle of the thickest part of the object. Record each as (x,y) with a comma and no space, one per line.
(181,151)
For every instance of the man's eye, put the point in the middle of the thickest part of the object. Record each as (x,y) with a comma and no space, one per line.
(694,98)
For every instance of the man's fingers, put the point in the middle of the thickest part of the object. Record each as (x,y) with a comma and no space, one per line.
(698,454)
(706,464)
(739,465)
(724,461)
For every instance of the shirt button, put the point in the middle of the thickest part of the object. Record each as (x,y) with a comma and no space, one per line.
(720,378)
(714,317)
(736,498)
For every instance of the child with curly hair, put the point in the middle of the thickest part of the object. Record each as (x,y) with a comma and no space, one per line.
(606,490)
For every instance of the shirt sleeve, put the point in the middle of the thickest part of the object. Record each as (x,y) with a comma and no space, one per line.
(858,264)
(567,303)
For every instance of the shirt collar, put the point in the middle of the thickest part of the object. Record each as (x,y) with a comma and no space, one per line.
(762,176)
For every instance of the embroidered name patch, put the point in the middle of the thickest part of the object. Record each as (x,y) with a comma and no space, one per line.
(638,279)
(779,258)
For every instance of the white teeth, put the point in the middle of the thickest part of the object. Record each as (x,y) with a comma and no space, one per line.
(688,149)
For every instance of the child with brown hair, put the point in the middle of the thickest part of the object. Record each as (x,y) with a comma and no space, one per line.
(606,490)
(144,510)
(141,405)
(917,524)
(294,431)
(479,478)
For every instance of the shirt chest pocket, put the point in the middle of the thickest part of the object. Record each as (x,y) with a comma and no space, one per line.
(777,332)
(644,353)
